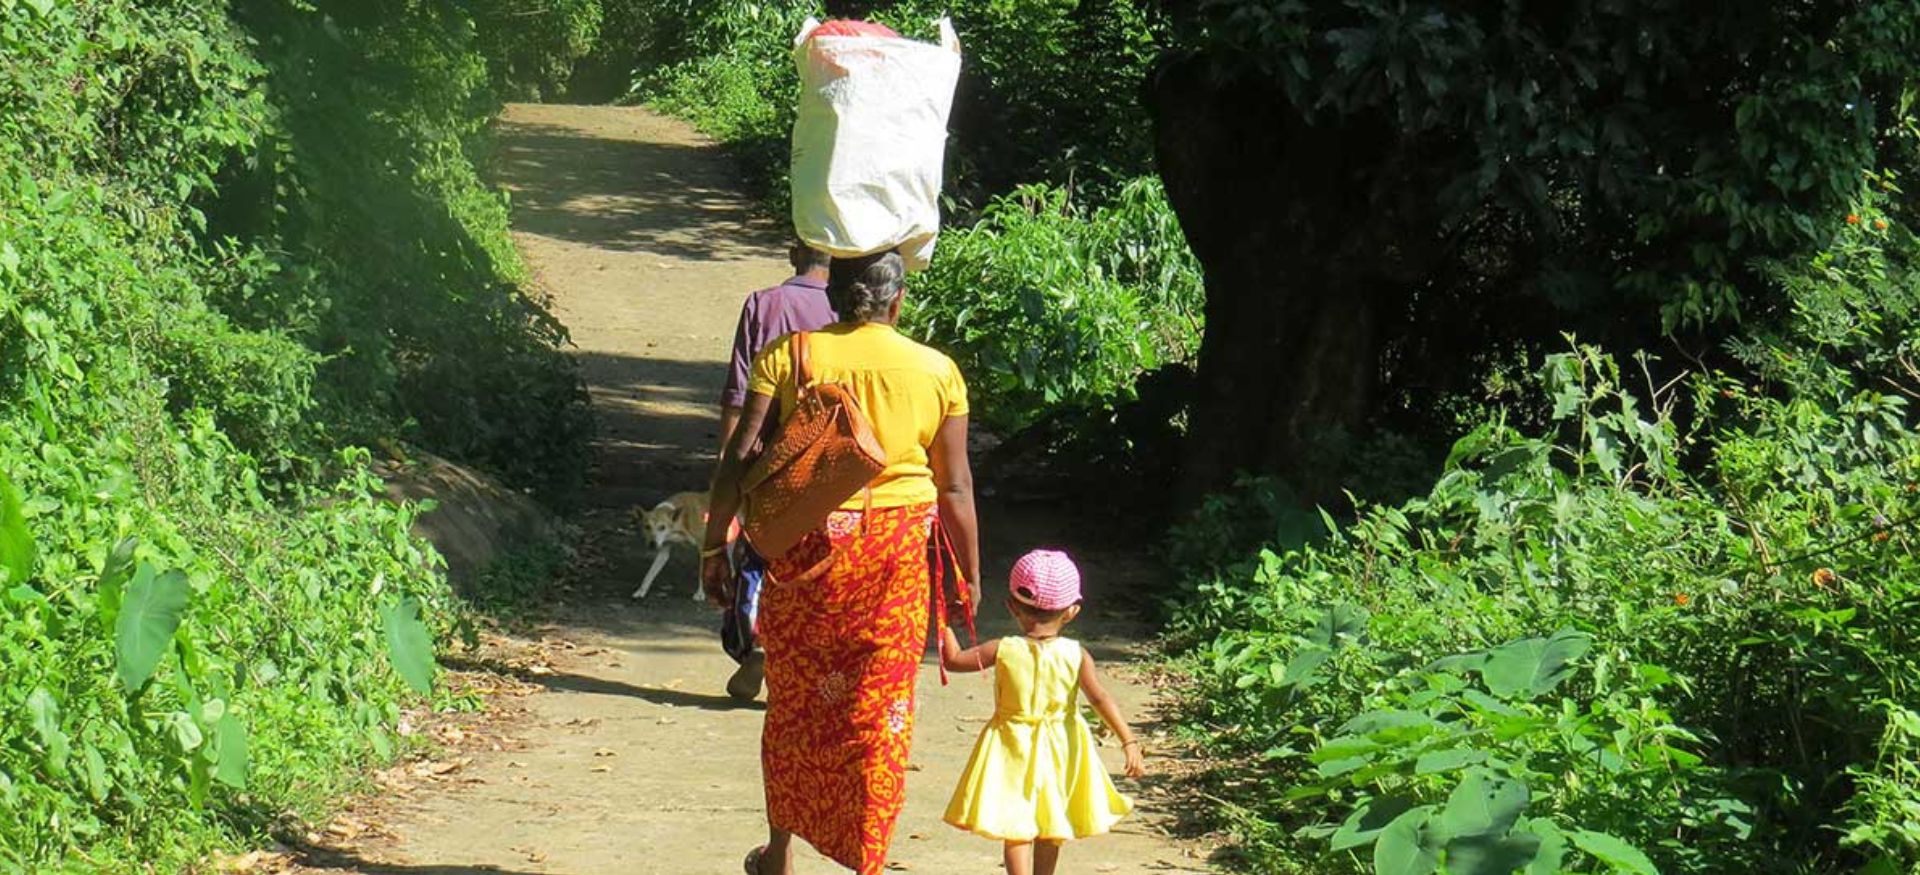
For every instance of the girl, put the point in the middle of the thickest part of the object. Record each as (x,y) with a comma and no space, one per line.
(1036,780)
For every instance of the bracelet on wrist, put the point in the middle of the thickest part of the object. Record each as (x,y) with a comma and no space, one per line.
(713,552)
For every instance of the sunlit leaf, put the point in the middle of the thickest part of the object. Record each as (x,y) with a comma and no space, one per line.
(17,550)
(234,760)
(1533,666)
(409,646)
(148,618)
(1483,804)
(1402,848)
(1614,852)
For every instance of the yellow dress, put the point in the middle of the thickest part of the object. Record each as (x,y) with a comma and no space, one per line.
(1036,771)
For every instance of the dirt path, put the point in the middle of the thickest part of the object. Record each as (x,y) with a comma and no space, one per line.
(629,757)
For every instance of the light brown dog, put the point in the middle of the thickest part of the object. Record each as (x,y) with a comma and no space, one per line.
(681,519)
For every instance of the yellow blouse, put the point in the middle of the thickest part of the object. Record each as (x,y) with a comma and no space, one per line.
(906,390)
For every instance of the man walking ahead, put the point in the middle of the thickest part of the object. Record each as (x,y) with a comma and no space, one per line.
(799,304)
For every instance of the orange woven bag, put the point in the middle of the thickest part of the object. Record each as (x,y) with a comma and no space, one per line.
(824,454)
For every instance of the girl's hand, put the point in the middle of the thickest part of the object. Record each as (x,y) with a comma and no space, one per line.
(716,579)
(1136,759)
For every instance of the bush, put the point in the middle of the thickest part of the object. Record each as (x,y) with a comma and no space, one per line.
(1046,304)
(1676,628)
(213,271)
(384,251)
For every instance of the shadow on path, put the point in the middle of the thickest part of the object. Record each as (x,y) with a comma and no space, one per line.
(621,195)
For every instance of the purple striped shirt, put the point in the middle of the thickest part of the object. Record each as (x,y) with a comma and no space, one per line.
(799,304)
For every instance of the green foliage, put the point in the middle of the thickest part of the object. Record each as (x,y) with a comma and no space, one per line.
(1045,303)
(1731,632)
(230,243)
(367,234)
(531,47)
(1642,148)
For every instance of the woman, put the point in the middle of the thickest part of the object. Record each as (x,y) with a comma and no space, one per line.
(843,648)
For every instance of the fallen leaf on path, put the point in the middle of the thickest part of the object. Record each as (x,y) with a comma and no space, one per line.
(539,668)
(256,861)
(603,768)
(605,752)
(516,764)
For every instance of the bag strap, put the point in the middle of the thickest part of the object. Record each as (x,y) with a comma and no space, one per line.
(943,553)
(801,351)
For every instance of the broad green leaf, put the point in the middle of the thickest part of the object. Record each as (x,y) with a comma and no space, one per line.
(1401,848)
(1336,768)
(98,782)
(186,731)
(1614,852)
(45,714)
(1483,804)
(1385,720)
(234,763)
(1492,855)
(1300,669)
(148,618)
(1553,847)
(409,646)
(113,581)
(8,796)
(1343,747)
(1338,623)
(1533,666)
(1432,762)
(17,550)
(1366,822)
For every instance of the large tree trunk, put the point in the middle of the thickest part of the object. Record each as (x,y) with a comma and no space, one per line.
(1298,283)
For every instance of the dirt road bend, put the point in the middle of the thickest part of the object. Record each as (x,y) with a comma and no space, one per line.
(627,756)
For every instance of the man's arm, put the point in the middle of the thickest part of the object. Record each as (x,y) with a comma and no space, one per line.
(734,396)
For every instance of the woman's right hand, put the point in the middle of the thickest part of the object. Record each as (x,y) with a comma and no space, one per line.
(716,579)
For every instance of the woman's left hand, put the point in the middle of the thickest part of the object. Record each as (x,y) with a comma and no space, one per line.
(716,579)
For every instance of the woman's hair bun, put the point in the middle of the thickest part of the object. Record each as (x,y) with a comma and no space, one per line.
(865,287)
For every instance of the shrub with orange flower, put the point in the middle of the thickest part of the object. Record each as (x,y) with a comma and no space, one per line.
(1682,599)
(1824,577)
(1853,218)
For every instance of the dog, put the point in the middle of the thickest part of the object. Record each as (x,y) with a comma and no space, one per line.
(681,519)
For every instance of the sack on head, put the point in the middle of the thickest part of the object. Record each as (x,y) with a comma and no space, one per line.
(870,141)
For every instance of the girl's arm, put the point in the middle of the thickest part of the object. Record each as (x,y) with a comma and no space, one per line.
(977,658)
(1109,712)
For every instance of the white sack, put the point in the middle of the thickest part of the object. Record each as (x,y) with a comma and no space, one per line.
(870,142)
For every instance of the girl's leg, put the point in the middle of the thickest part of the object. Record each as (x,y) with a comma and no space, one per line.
(1019,858)
(1046,855)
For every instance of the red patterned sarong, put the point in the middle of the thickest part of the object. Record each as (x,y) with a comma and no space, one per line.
(842,652)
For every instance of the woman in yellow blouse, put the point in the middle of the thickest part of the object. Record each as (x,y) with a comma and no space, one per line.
(843,649)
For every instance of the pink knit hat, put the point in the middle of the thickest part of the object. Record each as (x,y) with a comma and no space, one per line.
(1045,579)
